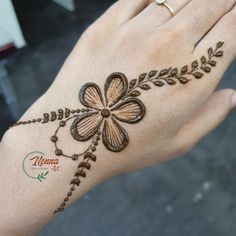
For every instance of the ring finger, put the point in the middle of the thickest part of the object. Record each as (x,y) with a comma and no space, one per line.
(157,14)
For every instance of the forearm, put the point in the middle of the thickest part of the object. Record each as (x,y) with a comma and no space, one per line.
(26,203)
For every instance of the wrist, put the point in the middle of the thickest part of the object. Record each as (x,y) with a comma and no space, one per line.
(46,196)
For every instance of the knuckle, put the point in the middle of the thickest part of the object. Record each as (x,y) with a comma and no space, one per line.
(228,23)
(171,37)
(175,32)
(226,5)
(121,38)
(126,36)
(232,17)
(221,5)
(170,34)
(209,10)
(184,146)
(215,5)
(114,7)
(88,33)
(91,35)
(88,40)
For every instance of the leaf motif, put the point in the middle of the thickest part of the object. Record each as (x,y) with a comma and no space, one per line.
(45,174)
(142,77)
(219,54)
(198,75)
(195,64)
(93,157)
(132,83)
(170,81)
(145,86)
(212,63)
(219,44)
(183,80)
(152,73)
(207,69)
(39,178)
(89,155)
(203,60)
(134,93)
(164,72)
(158,83)
(174,72)
(184,69)
(210,52)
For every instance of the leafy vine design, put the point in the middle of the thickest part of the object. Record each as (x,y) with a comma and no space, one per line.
(171,76)
(101,117)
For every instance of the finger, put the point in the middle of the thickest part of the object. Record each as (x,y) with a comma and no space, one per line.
(199,16)
(122,11)
(156,15)
(211,65)
(223,31)
(208,117)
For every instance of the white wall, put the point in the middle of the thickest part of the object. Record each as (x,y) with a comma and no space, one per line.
(9,26)
(68,4)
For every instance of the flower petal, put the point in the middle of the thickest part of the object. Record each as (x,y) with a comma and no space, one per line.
(130,111)
(115,88)
(90,96)
(85,126)
(114,137)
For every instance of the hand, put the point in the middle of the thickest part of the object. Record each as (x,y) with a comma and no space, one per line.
(133,37)
(168,110)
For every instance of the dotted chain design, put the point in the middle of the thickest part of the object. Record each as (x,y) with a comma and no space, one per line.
(60,114)
(88,156)
(74,157)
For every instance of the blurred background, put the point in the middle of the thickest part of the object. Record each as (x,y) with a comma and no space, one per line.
(194,196)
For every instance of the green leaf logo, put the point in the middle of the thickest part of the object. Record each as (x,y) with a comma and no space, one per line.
(42,176)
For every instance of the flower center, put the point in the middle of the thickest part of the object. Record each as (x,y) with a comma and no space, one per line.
(105,113)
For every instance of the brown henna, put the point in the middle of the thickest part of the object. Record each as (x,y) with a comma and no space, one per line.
(79,174)
(99,120)
(171,76)
(52,116)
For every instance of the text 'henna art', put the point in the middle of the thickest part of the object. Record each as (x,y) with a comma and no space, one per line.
(103,113)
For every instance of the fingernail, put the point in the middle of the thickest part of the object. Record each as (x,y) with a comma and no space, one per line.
(233,100)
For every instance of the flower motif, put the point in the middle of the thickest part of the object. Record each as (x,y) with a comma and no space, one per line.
(105,114)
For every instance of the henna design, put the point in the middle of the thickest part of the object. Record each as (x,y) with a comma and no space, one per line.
(74,156)
(80,172)
(171,76)
(52,116)
(131,110)
(100,119)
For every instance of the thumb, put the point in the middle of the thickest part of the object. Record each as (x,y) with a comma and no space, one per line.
(208,117)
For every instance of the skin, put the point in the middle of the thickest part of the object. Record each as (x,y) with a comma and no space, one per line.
(132,37)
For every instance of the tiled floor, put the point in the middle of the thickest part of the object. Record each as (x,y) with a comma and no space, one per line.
(192,196)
